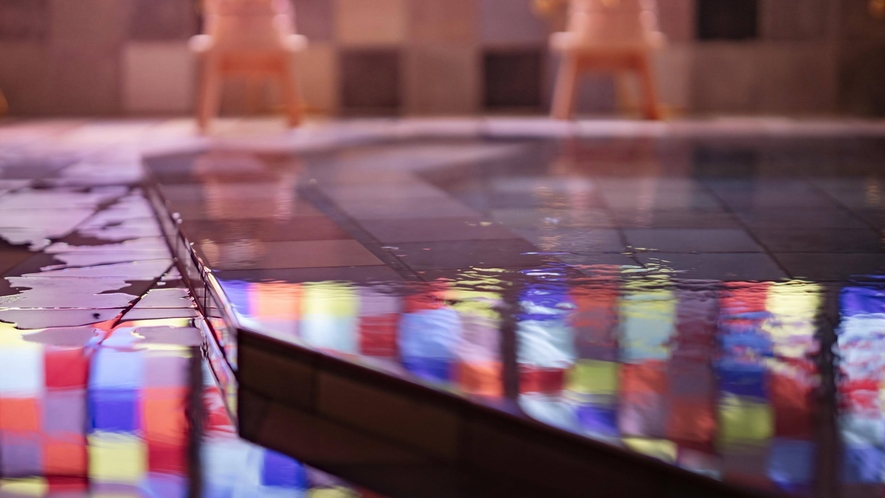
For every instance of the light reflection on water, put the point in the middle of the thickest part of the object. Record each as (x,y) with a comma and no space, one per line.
(130,410)
(720,378)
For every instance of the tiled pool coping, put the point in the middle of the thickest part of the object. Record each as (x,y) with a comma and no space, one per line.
(398,436)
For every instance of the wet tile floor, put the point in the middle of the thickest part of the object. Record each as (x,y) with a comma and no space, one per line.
(104,389)
(711,299)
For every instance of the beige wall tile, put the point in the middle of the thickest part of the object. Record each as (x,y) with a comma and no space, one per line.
(442,79)
(724,77)
(158,77)
(794,19)
(453,21)
(797,78)
(509,22)
(318,75)
(24,77)
(673,70)
(93,22)
(371,22)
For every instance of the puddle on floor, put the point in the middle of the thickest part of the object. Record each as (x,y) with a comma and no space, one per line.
(129,410)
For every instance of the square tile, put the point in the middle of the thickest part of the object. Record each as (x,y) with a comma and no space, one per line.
(654,199)
(810,66)
(441,79)
(400,209)
(794,19)
(232,208)
(443,21)
(315,19)
(163,20)
(24,20)
(861,69)
(355,274)
(874,217)
(673,70)
(808,219)
(541,200)
(692,240)
(573,240)
(435,230)
(725,77)
(505,22)
(97,23)
(512,78)
(303,254)
(379,22)
(466,254)
(158,77)
(727,19)
(85,80)
(791,239)
(267,230)
(676,19)
(675,219)
(553,218)
(855,21)
(715,266)
(370,79)
(832,267)
(318,76)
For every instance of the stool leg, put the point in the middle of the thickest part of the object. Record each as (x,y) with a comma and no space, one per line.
(291,93)
(564,94)
(651,107)
(209,98)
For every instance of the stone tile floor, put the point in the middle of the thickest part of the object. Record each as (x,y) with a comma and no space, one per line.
(672,289)
(104,389)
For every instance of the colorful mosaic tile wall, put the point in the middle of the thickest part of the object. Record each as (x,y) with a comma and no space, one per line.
(415,57)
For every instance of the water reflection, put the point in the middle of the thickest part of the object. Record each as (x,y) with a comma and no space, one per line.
(128,410)
(718,378)
(861,343)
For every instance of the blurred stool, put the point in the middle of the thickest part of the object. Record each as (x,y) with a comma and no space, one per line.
(615,36)
(251,38)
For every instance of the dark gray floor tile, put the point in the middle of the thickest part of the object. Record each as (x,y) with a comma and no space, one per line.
(553,218)
(874,217)
(675,219)
(715,266)
(267,230)
(832,267)
(573,240)
(407,209)
(356,274)
(435,230)
(804,218)
(466,254)
(242,209)
(692,240)
(851,240)
(295,254)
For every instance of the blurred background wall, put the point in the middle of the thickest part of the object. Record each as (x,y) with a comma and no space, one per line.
(445,57)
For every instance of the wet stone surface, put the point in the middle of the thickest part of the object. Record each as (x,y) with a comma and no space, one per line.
(711,303)
(104,387)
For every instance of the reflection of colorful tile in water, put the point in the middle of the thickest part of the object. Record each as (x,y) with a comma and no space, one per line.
(438,332)
(861,343)
(767,381)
